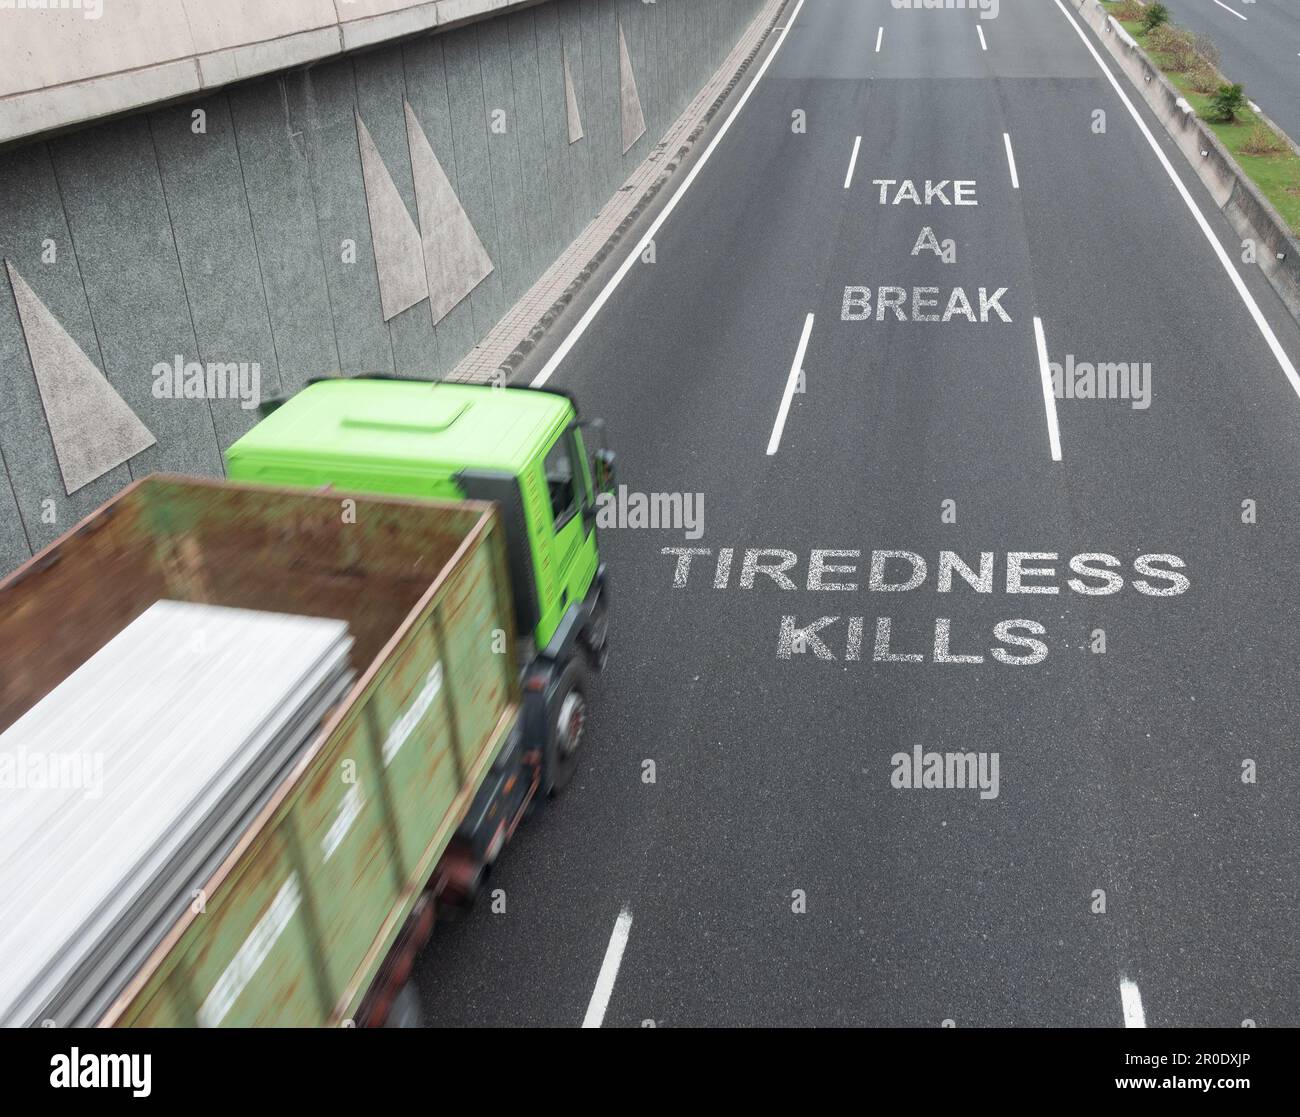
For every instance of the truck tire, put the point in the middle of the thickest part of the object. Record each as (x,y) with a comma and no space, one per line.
(567,721)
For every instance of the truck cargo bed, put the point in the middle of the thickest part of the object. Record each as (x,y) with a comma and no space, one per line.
(293,925)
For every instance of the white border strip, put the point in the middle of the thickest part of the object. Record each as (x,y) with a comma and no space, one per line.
(608,971)
(567,344)
(775,441)
(1246,297)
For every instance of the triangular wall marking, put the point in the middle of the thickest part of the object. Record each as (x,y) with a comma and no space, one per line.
(633,121)
(571,102)
(455,260)
(398,257)
(91,426)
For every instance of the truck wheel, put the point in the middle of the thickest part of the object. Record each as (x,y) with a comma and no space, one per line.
(568,721)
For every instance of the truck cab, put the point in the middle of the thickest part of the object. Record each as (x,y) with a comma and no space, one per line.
(521,449)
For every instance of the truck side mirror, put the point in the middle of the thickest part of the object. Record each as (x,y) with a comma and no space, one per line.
(603,460)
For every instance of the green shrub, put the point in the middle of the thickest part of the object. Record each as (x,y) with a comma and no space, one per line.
(1227,103)
(1153,17)
(1129,10)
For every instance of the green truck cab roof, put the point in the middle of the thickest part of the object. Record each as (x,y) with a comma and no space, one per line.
(401,426)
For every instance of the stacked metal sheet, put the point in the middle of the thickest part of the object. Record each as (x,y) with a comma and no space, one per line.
(131,782)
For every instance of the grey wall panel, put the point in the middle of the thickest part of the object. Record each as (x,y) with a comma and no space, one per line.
(513,259)
(652,97)
(704,54)
(700,55)
(663,82)
(381,91)
(670,54)
(697,24)
(596,122)
(636,19)
(117,212)
(322,102)
(204,187)
(559,153)
(534,144)
(586,201)
(30,212)
(284,226)
(473,166)
(601,55)
(698,21)
(607,48)
(688,44)
(426,90)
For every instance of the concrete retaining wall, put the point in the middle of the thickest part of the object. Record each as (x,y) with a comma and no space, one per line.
(72,61)
(252,234)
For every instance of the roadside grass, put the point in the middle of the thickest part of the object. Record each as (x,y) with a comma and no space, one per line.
(1277,175)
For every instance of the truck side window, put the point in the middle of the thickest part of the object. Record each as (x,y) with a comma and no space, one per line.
(560,482)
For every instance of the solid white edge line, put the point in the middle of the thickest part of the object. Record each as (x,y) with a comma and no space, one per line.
(608,971)
(880,37)
(1011,161)
(983,44)
(1261,322)
(853,162)
(578,330)
(791,381)
(1049,396)
(1228,9)
(1131,998)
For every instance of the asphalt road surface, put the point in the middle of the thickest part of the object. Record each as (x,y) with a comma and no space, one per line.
(1138,862)
(1260,43)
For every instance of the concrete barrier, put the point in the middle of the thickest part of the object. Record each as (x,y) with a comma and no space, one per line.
(1250,213)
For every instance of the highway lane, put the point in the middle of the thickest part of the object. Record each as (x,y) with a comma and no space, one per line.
(1260,43)
(1118,771)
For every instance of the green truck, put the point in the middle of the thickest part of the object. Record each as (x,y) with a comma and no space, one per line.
(453,529)
(521,449)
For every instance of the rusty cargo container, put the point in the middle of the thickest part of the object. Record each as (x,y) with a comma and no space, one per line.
(313,916)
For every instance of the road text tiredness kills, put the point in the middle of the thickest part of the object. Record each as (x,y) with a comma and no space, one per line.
(1015,641)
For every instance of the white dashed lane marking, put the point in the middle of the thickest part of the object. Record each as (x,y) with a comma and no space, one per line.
(608,971)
